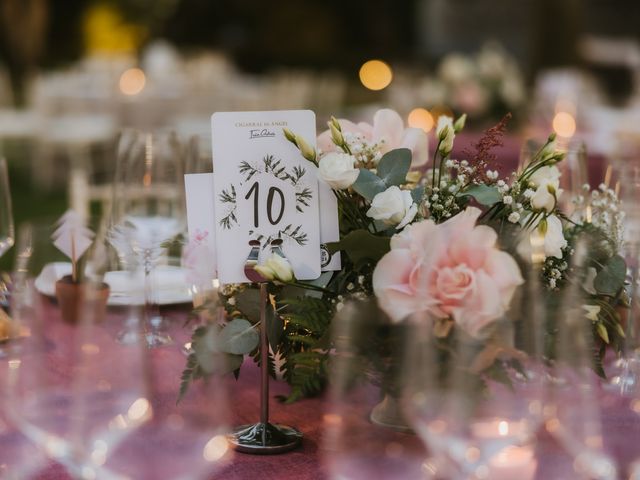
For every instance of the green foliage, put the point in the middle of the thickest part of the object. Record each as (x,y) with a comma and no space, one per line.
(206,359)
(306,326)
(275,328)
(417,194)
(362,245)
(394,166)
(238,337)
(368,184)
(248,303)
(610,279)
(484,194)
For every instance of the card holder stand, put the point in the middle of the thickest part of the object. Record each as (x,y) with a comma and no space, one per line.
(264,438)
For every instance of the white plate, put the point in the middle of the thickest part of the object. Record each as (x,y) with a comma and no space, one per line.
(170,284)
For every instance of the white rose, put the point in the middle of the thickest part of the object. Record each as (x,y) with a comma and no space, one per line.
(445,132)
(393,207)
(337,170)
(275,268)
(554,240)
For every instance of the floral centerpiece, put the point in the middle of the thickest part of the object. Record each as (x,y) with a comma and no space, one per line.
(440,236)
(486,85)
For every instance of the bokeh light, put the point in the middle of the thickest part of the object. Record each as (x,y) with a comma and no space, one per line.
(420,118)
(375,74)
(564,124)
(132,81)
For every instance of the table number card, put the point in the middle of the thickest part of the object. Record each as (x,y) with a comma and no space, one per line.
(264,189)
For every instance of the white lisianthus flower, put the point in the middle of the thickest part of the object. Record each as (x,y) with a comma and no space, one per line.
(275,268)
(543,199)
(547,182)
(546,175)
(554,240)
(550,230)
(393,207)
(445,132)
(592,312)
(589,285)
(337,170)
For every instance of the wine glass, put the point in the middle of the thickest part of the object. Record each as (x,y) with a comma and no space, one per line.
(6,223)
(73,391)
(198,254)
(625,374)
(186,435)
(572,413)
(19,457)
(148,213)
(365,432)
(477,401)
(183,440)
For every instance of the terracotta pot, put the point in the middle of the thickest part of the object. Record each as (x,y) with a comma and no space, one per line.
(73,297)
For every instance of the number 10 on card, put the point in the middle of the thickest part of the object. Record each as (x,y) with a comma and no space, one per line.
(274,197)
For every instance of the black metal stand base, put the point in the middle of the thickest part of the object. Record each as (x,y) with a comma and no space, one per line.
(265,438)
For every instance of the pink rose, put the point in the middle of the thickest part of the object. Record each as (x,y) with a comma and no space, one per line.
(388,131)
(452,270)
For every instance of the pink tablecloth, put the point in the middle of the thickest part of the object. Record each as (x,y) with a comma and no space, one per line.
(621,430)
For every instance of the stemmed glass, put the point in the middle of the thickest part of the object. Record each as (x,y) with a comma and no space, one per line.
(6,222)
(74,391)
(477,402)
(626,374)
(366,434)
(148,212)
(572,414)
(198,257)
(183,440)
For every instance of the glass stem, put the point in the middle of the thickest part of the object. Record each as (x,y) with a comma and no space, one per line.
(148,292)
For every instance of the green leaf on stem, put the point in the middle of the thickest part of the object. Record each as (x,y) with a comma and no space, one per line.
(238,337)
(362,245)
(369,184)
(248,302)
(275,327)
(417,194)
(394,166)
(483,194)
(610,279)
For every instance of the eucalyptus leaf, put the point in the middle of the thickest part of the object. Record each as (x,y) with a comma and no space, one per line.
(417,194)
(610,279)
(394,166)
(248,302)
(484,194)
(362,245)
(238,337)
(368,184)
(218,363)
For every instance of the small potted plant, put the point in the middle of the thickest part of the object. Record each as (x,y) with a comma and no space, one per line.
(74,238)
